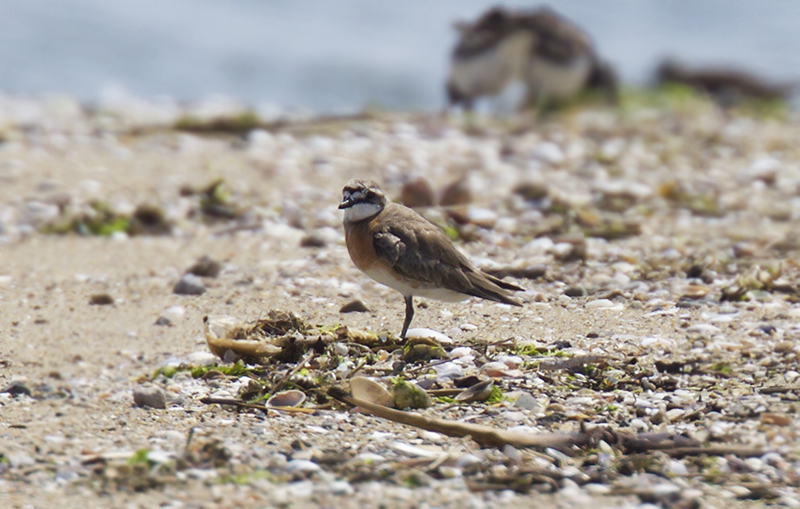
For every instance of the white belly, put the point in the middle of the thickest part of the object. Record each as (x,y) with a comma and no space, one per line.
(558,81)
(385,277)
(491,71)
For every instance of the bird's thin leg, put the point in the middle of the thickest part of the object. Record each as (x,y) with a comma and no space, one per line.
(409,315)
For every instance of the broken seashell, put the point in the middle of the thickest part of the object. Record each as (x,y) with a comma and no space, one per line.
(287,399)
(478,392)
(369,390)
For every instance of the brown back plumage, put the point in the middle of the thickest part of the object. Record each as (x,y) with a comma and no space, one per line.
(419,251)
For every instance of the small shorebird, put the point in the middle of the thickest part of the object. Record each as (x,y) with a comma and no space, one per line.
(399,248)
(551,56)
(727,86)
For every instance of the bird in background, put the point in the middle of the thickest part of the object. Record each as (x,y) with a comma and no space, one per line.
(399,248)
(552,57)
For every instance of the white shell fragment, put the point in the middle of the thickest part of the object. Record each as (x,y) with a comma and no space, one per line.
(287,399)
(369,390)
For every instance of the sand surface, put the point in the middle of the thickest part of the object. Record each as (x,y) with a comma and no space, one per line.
(737,206)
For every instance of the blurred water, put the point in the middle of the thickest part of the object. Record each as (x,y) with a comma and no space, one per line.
(337,55)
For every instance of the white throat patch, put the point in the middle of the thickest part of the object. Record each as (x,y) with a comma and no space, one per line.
(360,211)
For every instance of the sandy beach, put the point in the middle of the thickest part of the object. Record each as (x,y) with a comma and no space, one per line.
(667,236)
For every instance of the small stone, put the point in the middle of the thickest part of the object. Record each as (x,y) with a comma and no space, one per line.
(20,459)
(776,419)
(164,321)
(313,240)
(739,491)
(783,346)
(678,468)
(448,370)
(423,333)
(465,382)
(152,397)
(189,285)
(468,327)
(526,402)
(340,488)
(206,267)
(548,152)
(101,299)
(418,193)
(456,193)
(600,304)
(354,306)
(484,218)
(297,466)
(575,291)
(410,395)
(149,220)
(16,388)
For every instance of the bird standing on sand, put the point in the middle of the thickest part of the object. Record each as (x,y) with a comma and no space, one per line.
(551,56)
(399,248)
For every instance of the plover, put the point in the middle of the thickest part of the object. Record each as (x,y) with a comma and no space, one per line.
(551,56)
(399,248)
(727,86)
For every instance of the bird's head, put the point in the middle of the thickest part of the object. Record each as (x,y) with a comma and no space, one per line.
(361,199)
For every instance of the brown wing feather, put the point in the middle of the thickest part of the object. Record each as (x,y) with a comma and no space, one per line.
(420,251)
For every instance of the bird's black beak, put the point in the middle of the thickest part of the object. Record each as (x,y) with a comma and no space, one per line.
(346,204)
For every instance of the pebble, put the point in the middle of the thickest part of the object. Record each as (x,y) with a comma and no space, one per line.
(514,416)
(206,267)
(189,284)
(527,402)
(152,397)
(776,419)
(495,369)
(575,291)
(597,489)
(174,312)
(201,358)
(512,361)
(677,468)
(16,388)
(549,153)
(101,299)
(419,452)
(468,327)
(448,370)
(423,333)
(302,466)
(461,351)
(340,488)
(354,306)
(600,304)
(163,321)
(18,459)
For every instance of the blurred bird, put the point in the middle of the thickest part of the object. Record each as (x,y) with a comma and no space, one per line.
(397,247)
(551,56)
(725,85)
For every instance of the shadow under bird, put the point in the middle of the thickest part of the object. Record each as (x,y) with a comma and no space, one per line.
(399,248)
(551,56)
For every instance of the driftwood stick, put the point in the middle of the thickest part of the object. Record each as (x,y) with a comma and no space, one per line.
(780,389)
(484,435)
(742,451)
(263,408)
